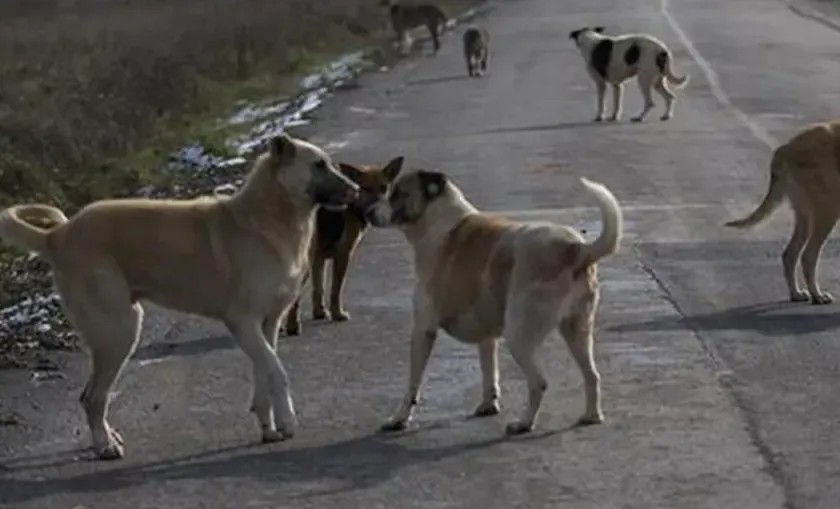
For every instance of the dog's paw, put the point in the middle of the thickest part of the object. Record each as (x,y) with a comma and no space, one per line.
(292,330)
(822,298)
(394,425)
(665,117)
(487,409)
(339,315)
(637,119)
(320,314)
(589,420)
(612,118)
(800,296)
(599,118)
(273,436)
(519,428)
(112,451)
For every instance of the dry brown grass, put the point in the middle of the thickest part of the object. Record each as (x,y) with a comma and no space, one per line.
(79,91)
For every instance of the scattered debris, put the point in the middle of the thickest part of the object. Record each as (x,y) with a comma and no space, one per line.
(11,419)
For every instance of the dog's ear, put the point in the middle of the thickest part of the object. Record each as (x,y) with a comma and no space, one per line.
(575,33)
(598,29)
(393,168)
(282,148)
(432,182)
(350,171)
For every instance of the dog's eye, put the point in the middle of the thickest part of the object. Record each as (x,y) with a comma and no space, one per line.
(383,189)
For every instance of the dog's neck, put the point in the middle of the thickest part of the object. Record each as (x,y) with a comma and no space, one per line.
(428,233)
(265,206)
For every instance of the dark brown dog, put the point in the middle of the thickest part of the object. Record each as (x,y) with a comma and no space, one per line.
(337,233)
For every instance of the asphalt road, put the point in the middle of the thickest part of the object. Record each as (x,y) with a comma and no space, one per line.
(718,393)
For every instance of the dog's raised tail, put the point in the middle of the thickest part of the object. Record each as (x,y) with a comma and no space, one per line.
(27,226)
(664,61)
(607,243)
(774,197)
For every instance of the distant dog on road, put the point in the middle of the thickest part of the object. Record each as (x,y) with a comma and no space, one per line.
(615,59)
(405,17)
(806,170)
(482,277)
(476,50)
(238,259)
(337,233)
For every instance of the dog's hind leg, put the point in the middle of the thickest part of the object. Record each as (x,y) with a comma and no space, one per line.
(525,330)
(101,311)
(645,84)
(270,376)
(666,94)
(577,331)
(618,91)
(821,227)
(488,355)
(792,254)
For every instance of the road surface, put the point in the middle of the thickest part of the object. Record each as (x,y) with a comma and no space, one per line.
(718,393)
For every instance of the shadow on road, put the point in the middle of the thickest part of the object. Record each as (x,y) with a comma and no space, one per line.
(561,126)
(357,463)
(770,319)
(439,79)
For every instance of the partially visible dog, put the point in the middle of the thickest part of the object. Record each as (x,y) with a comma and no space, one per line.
(615,59)
(337,233)
(806,170)
(476,50)
(405,17)
(482,277)
(238,259)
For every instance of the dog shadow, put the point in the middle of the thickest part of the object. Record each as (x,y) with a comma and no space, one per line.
(561,126)
(782,318)
(439,79)
(356,464)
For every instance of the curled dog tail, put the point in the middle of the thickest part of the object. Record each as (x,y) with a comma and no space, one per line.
(663,62)
(608,242)
(774,197)
(27,226)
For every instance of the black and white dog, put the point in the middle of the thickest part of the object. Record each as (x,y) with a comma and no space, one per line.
(615,59)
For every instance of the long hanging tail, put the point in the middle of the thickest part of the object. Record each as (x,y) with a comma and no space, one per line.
(774,197)
(608,242)
(27,226)
(663,61)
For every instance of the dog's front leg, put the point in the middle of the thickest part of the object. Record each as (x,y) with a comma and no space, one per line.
(319,312)
(602,90)
(618,91)
(271,382)
(488,354)
(422,341)
(339,274)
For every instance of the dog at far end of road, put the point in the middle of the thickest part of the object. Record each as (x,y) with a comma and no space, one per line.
(482,277)
(806,170)
(615,59)
(337,233)
(476,49)
(404,17)
(238,259)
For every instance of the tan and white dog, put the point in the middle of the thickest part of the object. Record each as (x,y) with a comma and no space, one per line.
(615,59)
(482,277)
(806,170)
(237,259)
